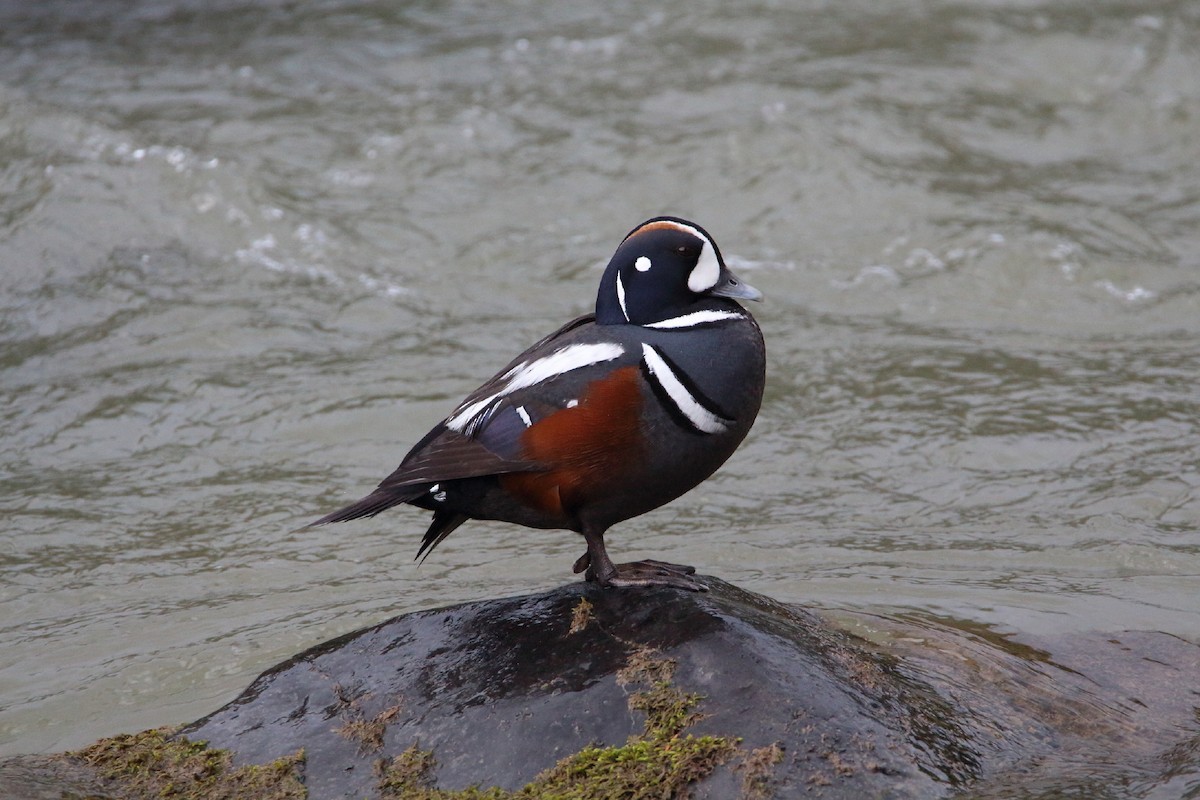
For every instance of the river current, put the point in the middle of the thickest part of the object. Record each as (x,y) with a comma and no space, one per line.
(251,251)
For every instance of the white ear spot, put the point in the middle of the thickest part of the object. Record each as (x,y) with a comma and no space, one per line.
(642,264)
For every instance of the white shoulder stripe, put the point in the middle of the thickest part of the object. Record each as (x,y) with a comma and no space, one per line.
(694,319)
(531,373)
(699,416)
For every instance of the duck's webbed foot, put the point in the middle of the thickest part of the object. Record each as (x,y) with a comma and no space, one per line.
(598,568)
(655,573)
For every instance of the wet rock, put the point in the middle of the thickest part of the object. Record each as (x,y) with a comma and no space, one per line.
(501,690)
(726,694)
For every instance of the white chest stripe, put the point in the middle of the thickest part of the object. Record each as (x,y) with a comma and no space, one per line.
(699,416)
(531,373)
(694,319)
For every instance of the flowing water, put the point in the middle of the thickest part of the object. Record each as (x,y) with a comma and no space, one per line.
(251,251)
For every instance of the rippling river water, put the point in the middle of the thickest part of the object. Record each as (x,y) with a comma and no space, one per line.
(251,252)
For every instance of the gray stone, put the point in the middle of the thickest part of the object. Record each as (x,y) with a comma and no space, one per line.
(500,690)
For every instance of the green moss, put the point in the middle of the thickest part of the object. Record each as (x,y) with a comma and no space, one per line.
(659,763)
(151,764)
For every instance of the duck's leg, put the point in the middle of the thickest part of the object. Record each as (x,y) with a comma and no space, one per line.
(598,567)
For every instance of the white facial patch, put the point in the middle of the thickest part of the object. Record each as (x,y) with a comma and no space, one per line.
(707,271)
(642,264)
(531,373)
(697,415)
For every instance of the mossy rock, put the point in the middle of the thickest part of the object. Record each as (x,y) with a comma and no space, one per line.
(585,694)
(662,761)
(718,695)
(155,765)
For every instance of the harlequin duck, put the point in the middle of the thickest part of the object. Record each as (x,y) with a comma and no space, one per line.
(612,415)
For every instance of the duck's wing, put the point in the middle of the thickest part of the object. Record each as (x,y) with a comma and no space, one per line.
(482,435)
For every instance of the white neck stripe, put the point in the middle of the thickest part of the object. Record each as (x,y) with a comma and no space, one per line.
(695,319)
(621,297)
